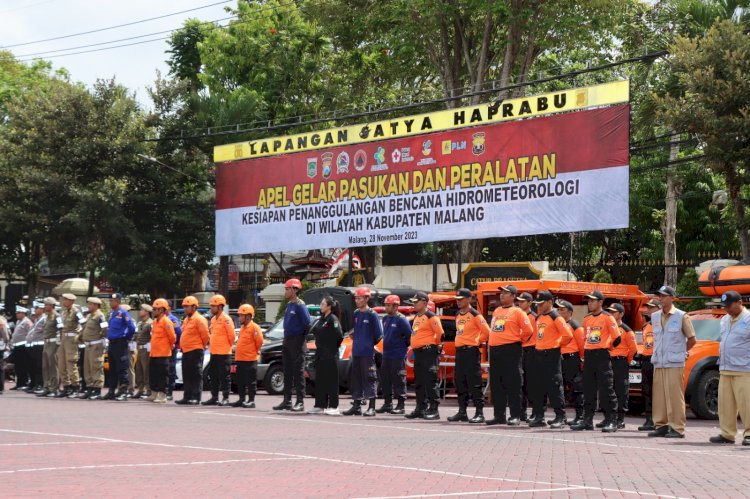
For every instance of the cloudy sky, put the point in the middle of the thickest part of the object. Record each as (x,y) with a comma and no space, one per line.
(135,66)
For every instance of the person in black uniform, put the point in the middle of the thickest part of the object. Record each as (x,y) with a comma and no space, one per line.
(328,338)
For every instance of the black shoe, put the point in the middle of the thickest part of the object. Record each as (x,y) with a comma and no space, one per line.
(224,402)
(496,421)
(370,412)
(109,396)
(659,432)
(415,414)
(583,425)
(211,401)
(96,394)
(385,408)
(284,406)
(558,422)
(193,402)
(238,403)
(431,414)
(746,441)
(601,424)
(85,395)
(42,393)
(73,392)
(62,393)
(718,439)
(354,410)
(514,422)
(248,405)
(459,416)
(673,434)
(298,407)
(478,417)
(620,424)
(169,397)
(182,401)
(647,426)
(123,397)
(399,409)
(51,394)
(537,423)
(609,427)
(525,417)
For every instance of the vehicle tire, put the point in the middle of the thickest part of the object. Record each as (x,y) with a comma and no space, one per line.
(274,380)
(705,400)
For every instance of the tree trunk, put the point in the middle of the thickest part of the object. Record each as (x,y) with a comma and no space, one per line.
(669,226)
(739,213)
(472,250)
(92,276)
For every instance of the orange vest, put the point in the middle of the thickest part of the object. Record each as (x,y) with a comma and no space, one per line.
(162,337)
(509,325)
(627,347)
(249,342)
(471,329)
(601,330)
(553,331)
(194,333)
(221,334)
(426,330)
(648,339)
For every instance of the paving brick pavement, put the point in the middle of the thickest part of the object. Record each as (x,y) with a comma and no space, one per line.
(136,449)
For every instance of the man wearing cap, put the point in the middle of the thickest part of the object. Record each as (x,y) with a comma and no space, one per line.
(35,348)
(172,369)
(510,327)
(602,334)
(674,336)
(552,333)
(4,340)
(142,339)
(67,354)
(221,339)
(622,355)
(20,353)
(531,381)
(647,368)
(572,357)
(427,333)
(121,328)
(51,339)
(296,325)
(193,343)
(396,338)
(94,335)
(734,370)
(472,332)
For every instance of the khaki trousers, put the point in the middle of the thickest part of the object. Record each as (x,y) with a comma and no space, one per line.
(131,370)
(141,370)
(669,398)
(734,399)
(67,361)
(93,366)
(49,366)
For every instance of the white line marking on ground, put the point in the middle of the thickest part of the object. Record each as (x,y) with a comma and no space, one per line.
(140,465)
(476,493)
(339,461)
(24,444)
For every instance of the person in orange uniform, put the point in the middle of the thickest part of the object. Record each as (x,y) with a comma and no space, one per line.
(553,333)
(572,357)
(425,341)
(193,342)
(622,355)
(647,368)
(531,381)
(472,332)
(221,340)
(246,355)
(602,334)
(510,327)
(163,339)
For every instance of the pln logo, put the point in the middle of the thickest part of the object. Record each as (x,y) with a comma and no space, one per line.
(449,146)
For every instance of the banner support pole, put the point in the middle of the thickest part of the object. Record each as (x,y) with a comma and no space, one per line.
(349,276)
(434,266)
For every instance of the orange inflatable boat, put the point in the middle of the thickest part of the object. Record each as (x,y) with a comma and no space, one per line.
(718,280)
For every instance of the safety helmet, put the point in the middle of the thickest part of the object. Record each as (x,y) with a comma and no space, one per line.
(392,300)
(190,301)
(246,309)
(362,291)
(218,300)
(293,283)
(161,303)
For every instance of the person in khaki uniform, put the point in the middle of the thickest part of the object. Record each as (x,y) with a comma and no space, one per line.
(51,338)
(94,335)
(734,370)
(143,347)
(67,353)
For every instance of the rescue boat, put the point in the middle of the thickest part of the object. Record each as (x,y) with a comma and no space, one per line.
(717,280)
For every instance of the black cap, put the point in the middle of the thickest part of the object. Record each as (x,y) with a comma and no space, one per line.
(421,295)
(116,296)
(509,288)
(525,297)
(564,304)
(463,293)
(730,297)
(616,307)
(653,302)
(666,291)
(543,296)
(595,295)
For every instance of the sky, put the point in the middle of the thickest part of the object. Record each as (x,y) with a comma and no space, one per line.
(135,66)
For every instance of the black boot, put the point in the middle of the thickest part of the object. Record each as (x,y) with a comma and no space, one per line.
(122,396)
(558,422)
(620,422)
(73,392)
(648,425)
(417,413)
(610,425)
(579,416)
(399,409)
(43,393)
(370,412)
(386,407)
(239,402)
(63,393)
(354,410)
(585,424)
(459,416)
(285,405)
(96,394)
(110,395)
(214,400)
(432,414)
(85,395)
(478,416)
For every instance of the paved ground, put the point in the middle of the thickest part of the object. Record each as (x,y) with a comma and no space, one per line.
(137,449)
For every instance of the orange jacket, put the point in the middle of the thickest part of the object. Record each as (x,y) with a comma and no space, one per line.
(553,331)
(221,335)
(471,329)
(249,342)
(532,339)
(509,325)
(194,333)
(427,330)
(579,340)
(648,339)
(627,347)
(163,337)
(601,330)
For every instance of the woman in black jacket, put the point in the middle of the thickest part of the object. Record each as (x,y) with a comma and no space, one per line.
(328,338)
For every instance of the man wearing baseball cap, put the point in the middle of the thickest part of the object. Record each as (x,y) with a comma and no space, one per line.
(425,341)
(94,335)
(296,325)
(67,354)
(674,336)
(647,368)
(121,330)
(531,380)
(622,355)
(572,356)
(20,354)
(734,370)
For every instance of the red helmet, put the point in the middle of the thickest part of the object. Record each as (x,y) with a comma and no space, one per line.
(392,300)
(293,283)
(362,291)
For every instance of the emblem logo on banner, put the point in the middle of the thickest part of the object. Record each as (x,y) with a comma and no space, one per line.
(327,164)
(396,156)
(360,160)
(380,160)
(312,167)
(477,143)
(342,163)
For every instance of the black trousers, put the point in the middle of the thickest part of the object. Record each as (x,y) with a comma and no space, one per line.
(293,360)
(192,374)
(218,368)
(247,379)
(21,365)
(531,388)
(172,371)
(621,383)
(157,373)
(597,379)
(119,364)
(393,379)
(426,376)
(364,378)
(647,383)
(35,365)
(467,376)
(551,382)
(506,379)
(573,379)
(326,383)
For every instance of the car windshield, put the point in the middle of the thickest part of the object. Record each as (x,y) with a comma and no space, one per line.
(707,329)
